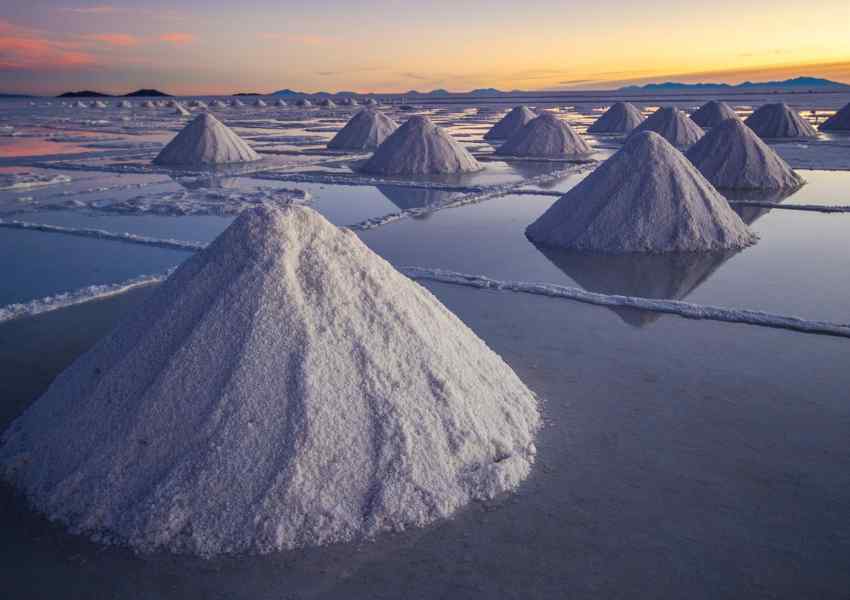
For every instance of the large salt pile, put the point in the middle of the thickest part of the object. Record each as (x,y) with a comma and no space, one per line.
(419,147)
(777,120)
(286,387)
(713,113)
(673,125)
(840,121)
(622,117)
(511,123)
(205,141)
(364,131)
(646,198)
(546,136)
(732,156)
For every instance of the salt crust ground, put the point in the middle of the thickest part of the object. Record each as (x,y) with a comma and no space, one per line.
(285,387)
(646,198)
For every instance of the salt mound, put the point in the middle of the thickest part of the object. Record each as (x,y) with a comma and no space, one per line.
(286,387)
(179,110)
(646,198)
(80,104)
(237,103)
(545,136)
(280,102)
(98,104)
(205,141)
(673,125)
(260,103)
(622,117)
(511,123)
(364,131)
(125,104)
(840,121)
(779,121)
(148,104)
(713,113)
(198,104)
(218,104)
(419,147)
(371,102)
(731,156)
(303,102)
(327,103)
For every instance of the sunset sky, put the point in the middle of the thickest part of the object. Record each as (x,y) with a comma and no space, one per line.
(219,47)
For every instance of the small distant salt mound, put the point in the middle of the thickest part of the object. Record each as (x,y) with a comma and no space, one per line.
(148,104)
(713,113)
(731,156)
(673,125)
(840,121)
(371,102)
(353,102)
(285,387)
(198,104)
(125,104)
(237,103)
(180,110)
(773,121)
(280,102)
(260,103)
(303,102)
(327,103)
(80,104)
(646,198)
(516,119)
(364,131)
(205,141)
(546,136)
(419,147)
(218,104)
(98,104)
(622,117)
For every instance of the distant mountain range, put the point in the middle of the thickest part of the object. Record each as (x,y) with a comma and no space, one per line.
(143,93)
(797,83)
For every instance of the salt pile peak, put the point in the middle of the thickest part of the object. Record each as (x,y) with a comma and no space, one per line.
(622,117)
(366,130)
(285,387)
(732,156)
(205,141)
(546,136)
(840,121)
(774,121)
(646,198)
(713,113)
(419,147)
(512,122)
(673,125)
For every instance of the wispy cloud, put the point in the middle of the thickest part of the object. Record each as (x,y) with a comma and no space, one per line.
(114,39)
(27,49)
(302,39)
(90,10)
(177,38)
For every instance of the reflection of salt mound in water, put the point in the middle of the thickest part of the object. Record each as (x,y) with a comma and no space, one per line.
(713,113)
(673,125)
(205,141)
(406,198)
(516,119)
(732,156)
(303,102)
(364,131)
(622,117)
(777,120)
(669,276)
(547,136)
(419,147)
(263,398)
(646,198)
(840,121)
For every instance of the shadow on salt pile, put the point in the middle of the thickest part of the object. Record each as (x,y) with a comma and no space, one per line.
(667,276)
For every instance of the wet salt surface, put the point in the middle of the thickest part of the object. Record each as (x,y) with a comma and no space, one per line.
(673,463)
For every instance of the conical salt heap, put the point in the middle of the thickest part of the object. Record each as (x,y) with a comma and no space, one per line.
(731,156)
(148,104)
(546,136)
(371,102)
(286,387)
(180,110)
(99,104)
(125,104)
(419,147)
(260,103)
(840,121)
(511,123)
(774,121)
(237,103)
(646,198)
(198,104)
(622,117)
(280,102)
(673,125)
(327,103)
(218,104)
(303,102)
(713,113)
(364,131)
(205,141)
(80,104)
